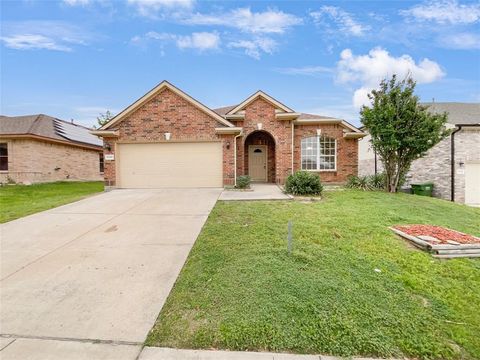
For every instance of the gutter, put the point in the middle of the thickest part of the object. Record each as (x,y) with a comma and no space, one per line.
(452,157)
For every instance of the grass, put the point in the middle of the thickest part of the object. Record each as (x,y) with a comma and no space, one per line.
(20,200)
(241,290)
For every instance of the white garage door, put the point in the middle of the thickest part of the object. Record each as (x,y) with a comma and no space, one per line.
(472,183)
(164,165)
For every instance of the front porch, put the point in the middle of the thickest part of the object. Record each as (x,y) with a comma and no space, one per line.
(259,157)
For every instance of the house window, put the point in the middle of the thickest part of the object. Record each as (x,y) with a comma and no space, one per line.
(3,157)
(319,153)
(101,162)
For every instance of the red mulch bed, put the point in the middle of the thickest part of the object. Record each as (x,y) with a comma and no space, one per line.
(441,233)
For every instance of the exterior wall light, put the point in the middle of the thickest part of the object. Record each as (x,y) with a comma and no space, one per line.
(319,132)
(259,126)
(167,135)
(227,145)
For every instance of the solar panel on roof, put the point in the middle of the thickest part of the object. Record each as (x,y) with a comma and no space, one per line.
(76,133)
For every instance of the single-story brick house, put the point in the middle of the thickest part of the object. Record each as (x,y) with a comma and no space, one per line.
(168,139)
(41,148)
(453,165)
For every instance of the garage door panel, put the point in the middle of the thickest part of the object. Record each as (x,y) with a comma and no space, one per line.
(165,165)
(472,183)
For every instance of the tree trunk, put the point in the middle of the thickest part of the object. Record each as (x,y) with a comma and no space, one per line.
(390,168)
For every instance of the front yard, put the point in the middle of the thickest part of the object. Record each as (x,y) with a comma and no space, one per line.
(350,287)
(21,200)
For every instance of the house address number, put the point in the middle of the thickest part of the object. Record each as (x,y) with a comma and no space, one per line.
(109,157)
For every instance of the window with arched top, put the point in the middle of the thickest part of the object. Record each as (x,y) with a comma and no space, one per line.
(319,153)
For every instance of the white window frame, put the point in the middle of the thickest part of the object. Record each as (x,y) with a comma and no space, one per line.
(318,155)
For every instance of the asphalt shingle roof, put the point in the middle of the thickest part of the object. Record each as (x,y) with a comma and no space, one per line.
(49,127)
(458,113)
(224,110)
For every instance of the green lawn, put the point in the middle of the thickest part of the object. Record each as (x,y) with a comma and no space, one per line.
(21,200)
(241,290)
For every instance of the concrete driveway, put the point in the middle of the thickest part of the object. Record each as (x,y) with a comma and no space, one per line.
(87,280)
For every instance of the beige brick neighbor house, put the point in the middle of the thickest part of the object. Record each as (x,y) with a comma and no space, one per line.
(169,139)
(40,148)
(453,165)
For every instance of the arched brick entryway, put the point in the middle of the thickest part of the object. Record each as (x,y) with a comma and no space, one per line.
(258,143)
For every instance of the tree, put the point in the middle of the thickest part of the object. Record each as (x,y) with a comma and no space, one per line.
(103,118)
(401,129)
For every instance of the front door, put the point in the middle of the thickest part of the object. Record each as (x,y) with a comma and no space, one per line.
(257,162)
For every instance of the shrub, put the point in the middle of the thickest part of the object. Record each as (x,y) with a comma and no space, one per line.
(243,182)
(303,183)
(358,182)
(378,181)
(370,182)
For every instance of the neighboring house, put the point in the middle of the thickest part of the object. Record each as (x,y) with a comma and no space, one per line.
(454,170)
(40,148)
(168,139)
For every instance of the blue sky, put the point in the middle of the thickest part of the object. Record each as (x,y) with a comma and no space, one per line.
(76,58)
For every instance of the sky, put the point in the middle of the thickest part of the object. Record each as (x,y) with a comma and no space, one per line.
(75,59)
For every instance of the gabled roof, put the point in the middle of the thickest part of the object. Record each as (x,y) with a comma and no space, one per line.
(224,110)
(303,118)
(157,89)
(253,97)
(47,127)
(458,113)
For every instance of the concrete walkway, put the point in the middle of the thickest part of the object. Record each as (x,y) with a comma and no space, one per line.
(258,191)
(87,280)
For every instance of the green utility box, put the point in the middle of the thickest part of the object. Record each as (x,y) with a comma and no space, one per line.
(425,189)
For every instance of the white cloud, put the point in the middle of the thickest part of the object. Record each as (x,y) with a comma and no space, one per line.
(366,71)
(464,41)
(150,8)
(344,20)
(197,40)
(31,42)
(270,21)
(47,35)
(76,2)
(255,47)
(200,40)
(305,70)
(445,11)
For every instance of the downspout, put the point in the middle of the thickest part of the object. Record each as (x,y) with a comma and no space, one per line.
(375,157)
(292,147)
(452,163)
(235,157)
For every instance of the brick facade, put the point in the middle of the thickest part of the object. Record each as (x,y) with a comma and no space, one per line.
(347,151)
(33,161)
(169,112)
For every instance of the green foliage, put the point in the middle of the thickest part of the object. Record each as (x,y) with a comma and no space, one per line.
(241,290)
(104,118)
(378,181)
(401,129)
(358,182)
(243,182)
(303,183)
(370,182)
(21,200)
